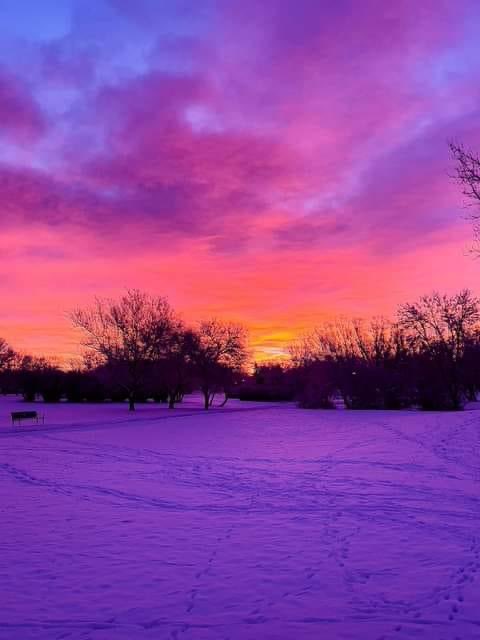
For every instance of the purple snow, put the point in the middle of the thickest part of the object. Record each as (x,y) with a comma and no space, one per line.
(251,522)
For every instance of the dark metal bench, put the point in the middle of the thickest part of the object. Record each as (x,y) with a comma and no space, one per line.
(18,416)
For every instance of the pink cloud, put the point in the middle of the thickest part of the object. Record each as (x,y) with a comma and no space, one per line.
(21,118)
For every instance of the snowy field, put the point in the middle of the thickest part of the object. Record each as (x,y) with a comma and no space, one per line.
(253,522)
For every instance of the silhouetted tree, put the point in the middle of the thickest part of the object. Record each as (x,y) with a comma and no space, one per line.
(471,367)
(172,368)
(439,329)
(7,355)
(467,174)
(269,382)
(52,383)
(219,351)
(317,384)
(84,385)
(127,333)
(31,374)
(364,361)
(7,362)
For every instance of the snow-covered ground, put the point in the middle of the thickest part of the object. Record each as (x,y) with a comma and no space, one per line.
(253,522)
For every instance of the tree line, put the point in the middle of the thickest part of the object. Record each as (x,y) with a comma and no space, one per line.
(136,348)
(427,357)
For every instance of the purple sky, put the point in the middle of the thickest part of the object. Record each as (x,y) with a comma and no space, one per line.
(270,161)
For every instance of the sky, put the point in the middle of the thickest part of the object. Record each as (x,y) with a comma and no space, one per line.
(273,163)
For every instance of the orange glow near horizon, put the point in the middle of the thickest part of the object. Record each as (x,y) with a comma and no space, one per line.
(277,298)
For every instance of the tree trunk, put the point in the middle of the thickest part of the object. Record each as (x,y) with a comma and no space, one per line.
(171,401)
(225,400)
(131,402)
(206,398)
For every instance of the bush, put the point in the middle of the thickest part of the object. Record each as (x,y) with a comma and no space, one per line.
(317,385)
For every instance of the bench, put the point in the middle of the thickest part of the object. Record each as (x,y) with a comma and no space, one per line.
(18,416)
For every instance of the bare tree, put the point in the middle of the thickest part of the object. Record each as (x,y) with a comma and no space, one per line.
(173,362)
(439,321)
(467,174)
(220,350)
(8,359)
(345,339)
(440,328)
(7,355)
(127,333)
(361,360)
(335,339)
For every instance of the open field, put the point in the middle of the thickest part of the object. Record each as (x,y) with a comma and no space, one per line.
(250,522)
